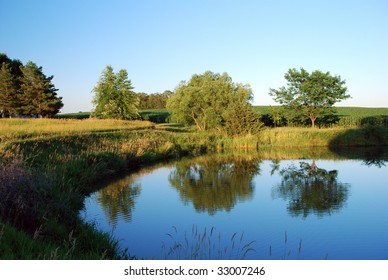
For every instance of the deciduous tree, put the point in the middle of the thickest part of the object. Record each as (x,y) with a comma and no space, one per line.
(310,95)
(114,97)
(214,101)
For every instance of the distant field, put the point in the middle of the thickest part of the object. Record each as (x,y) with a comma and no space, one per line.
(80,115)
(347,116)
(153,115)
(341,111)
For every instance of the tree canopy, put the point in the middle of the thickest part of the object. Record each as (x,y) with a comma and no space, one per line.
(39,93)
(26,90)
(154,100)
(114,98)
(213,101)
(310,95)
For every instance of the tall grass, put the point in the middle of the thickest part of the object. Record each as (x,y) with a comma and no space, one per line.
(12,129)
(210,244)
(206,244)
(38,220)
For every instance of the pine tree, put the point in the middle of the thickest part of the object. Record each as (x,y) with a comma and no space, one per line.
(8,91)
(39,96)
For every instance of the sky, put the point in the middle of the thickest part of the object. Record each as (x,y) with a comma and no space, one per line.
(161,43)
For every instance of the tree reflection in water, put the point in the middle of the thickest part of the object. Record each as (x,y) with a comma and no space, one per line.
(311,189)
(118,200)
(215,183)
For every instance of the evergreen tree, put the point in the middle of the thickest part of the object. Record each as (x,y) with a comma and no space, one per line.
(14,65)
(9,100)
(39,95)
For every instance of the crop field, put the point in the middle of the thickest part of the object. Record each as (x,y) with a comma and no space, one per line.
(341,111)
(346,116)
(153,115)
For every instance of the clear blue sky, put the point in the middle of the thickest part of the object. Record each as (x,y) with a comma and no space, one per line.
(161,43)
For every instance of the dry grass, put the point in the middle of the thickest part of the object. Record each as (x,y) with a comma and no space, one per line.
(12,129)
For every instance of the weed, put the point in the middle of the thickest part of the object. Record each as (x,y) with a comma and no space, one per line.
(205,245)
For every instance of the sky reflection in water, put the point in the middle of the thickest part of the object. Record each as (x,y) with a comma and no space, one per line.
(290,209)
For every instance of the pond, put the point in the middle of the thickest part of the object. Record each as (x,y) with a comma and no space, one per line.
(246,207)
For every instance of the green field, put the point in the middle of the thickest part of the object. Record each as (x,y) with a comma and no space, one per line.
(153,115)
(346,116)
(341,111)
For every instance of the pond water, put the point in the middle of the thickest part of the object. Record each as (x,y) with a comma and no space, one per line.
(233,207)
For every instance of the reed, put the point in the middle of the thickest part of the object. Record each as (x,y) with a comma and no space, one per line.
(205,244)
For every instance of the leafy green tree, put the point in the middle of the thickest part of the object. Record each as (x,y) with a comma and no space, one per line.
(241,119)
(154,100)
(310,95)
(39,95)
(114,98)
(9,98)
(213,101)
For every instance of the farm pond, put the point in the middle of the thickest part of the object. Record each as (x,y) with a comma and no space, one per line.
(246,207)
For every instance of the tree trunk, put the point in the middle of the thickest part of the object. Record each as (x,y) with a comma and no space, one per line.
(196,122)
(313,118)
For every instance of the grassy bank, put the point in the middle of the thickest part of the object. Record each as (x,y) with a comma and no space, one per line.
(330,137)
(48,166)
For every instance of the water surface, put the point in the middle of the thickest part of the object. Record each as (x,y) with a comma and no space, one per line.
(232,207)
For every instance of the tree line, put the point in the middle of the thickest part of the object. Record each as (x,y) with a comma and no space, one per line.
(25,90)
(212,101)
(208,101)
(154,100)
